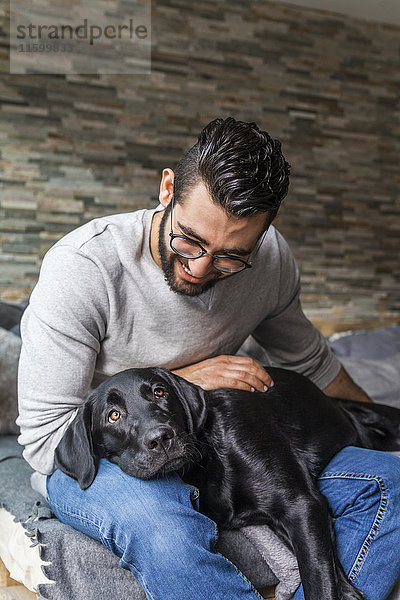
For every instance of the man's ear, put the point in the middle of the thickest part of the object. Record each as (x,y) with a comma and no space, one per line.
(166,187)
(74,454)
(193,399)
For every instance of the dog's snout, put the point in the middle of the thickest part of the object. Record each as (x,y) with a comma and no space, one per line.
(159,437)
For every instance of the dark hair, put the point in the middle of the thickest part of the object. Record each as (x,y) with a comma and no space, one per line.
(242,168)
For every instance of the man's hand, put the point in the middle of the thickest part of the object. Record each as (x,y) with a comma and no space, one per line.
(238,372)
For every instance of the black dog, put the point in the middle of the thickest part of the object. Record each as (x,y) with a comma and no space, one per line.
(255,457)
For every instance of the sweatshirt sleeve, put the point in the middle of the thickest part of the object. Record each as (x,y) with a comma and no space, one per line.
(61,331)
(287,336)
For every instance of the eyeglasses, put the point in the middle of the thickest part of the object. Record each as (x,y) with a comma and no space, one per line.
(191,249)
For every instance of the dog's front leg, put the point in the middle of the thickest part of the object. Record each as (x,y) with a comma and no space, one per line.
(307,524)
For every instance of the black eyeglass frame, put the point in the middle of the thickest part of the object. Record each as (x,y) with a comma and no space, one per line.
(246,264)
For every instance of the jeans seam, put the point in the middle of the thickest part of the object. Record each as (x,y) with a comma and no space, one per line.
(384,494)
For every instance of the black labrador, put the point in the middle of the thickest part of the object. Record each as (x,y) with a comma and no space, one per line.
(255,457)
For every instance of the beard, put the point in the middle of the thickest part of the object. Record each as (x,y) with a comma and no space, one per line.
(168,263)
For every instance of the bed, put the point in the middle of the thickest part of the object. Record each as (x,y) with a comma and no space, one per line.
(52,561)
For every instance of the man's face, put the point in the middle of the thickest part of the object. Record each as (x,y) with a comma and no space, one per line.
(218,232)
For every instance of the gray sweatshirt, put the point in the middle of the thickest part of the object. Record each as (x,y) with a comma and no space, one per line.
(101,305)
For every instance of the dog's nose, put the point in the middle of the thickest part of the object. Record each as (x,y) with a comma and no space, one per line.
(159,437)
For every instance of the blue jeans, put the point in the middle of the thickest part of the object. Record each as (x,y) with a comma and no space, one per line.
(156,530)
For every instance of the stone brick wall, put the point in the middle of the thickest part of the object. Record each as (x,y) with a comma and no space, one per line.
(77,147)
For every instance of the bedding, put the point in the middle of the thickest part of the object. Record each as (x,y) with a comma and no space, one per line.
(371,357)
(93,571)
(10,346)
(374,344)
(21,559)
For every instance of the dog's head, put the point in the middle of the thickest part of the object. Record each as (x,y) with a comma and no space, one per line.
(144,420)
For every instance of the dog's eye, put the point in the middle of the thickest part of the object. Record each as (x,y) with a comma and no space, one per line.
(159,392)
(114,416)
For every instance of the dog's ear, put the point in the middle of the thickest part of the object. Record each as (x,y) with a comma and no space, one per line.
(74,454)
(193,399)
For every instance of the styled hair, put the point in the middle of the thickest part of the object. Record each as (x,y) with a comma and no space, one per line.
(242,168)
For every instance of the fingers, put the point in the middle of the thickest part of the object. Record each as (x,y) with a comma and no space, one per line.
(249,381)
(238,372)
(248,371)
(226,382)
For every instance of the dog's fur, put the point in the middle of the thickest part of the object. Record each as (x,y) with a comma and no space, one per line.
(255,457)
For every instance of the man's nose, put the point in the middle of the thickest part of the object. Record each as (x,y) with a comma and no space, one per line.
(200,267)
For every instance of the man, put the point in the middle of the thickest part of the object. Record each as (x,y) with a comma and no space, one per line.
(182,287)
